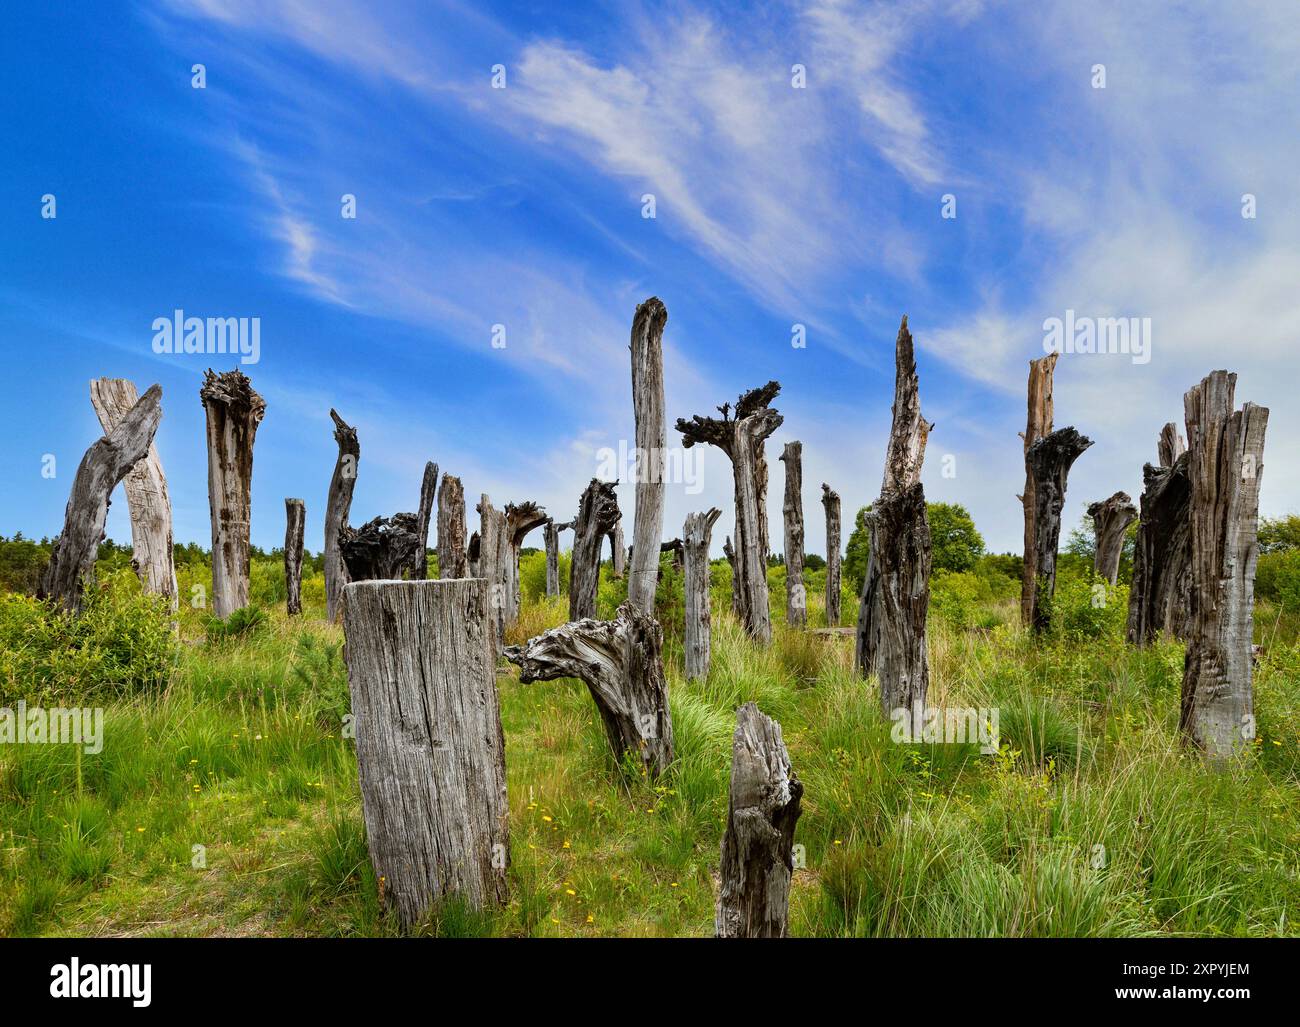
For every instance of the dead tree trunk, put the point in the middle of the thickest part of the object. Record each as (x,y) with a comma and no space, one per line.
(621,662)
(451,529)
(1037,425)
(381,549)
(617,552)
(1225,459)
(901,593)
(553,557)
(494,566)
(758,847)
(1160,595)
(1049,461)
(108,461)
(796,594)
(146,495)
(696,536)
(472,554)
(597,514)
(742,439)
(1110,520)
(730,553)
(337,507)
(430,750)
(831,501)
(651,446)
(295,518)
(233,412)
(428,489)
(520,520)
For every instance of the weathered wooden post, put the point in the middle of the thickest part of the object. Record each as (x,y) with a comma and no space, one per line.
(651,447)
(1037,425)
(428,485)
(520,520)
(1160,595)
(494,565)
(108,461)
(598,512)
(337,507)
(621,662)
(553,556)
(295,518)
(1049,461)
(430,749)
(233,413)
(831,501)
(1110,520)
(146,495)
(451,528)
(796,593)
(758,846)
(1225,459)
(696,536)
(742,439)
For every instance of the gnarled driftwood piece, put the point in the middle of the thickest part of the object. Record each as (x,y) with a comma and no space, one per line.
(831,501)
(1110,520)
(1038,424)
(337,506)
(696,535)
(796,592)
(598,512)
(1049,461)
(295,522)
(451,529)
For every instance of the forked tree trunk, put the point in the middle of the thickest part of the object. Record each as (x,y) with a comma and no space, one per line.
(337,507)
(902,595)
(1049,461)
(430,749)
(108,461)
(796,593)
(494,566)
(428,490)
(451,529)
(696,536)
(597,514)
(146,495)
(1160,595)
(730,553)
(233,412)
(831,501)
(618,558)
(1225,460)
(651,446)
(1037,425)
(742,439)
(295,521)
(621,662)
(520,520)
(758,846)
(1110,520)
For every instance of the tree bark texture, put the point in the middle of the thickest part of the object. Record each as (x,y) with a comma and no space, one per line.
(1110,520)
(696,536)
(337,507)
(831,502)
(597,514)
(295,522)
(1048,462)
(796,592)
(902,596)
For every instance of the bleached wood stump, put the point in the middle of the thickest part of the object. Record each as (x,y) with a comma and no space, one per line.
(452,562)
(651,446)
(696,535)
(337,507)
(831,502)
(1049,461)
(295,520)
(424,514)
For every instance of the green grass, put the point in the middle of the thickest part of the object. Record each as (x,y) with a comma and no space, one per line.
(226,802)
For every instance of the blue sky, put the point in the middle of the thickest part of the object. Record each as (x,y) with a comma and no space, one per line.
(522,206)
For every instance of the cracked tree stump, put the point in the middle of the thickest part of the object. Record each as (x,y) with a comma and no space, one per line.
(796,592)
(428,487)
(621,662)
(520,520)
(1037,424)
(696,535)
(901,594)
(1049,461)
(337,507)
(381,549)
(430,749)
(1160,595)
(105,463)
(831,502)
(295,522)
(742,438)
(451,529)
(146,495)
(233,412)
(651,447)
(758,846)
(1110,520)
(1225,461)
(493,565)
(597,514)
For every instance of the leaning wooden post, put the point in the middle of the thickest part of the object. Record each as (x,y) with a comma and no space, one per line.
(696,536)
(423,515)
(1225,459)
(430,750)
(521,518)
(337,507)
(597,514)
(831,501)
(146,495)
(1037,425)
(651,446)
(1110,520)
(1049,461)
(233,412)
(1160,594)
(295,517)
(796,593)
(108,461)
(758,846)
(451,529)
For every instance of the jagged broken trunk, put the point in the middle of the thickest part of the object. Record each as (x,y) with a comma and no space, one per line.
(428,492)
(1038,424)
(796,593)
(1160,594)
(520,520)
(902,595)
(698,627)
(295,521)
(597,514)
(381,549)
(1048,462)
(831,501)
(758,846)
(337,507)
(621,662)
(1110,520)
(233,413)
(451,529)
(1225,461)
(492,563)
